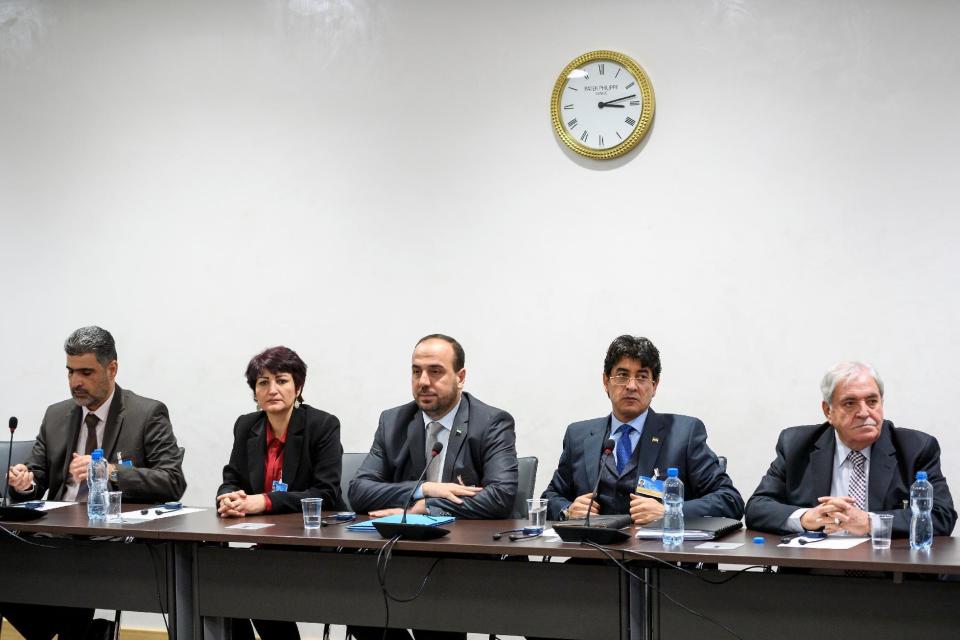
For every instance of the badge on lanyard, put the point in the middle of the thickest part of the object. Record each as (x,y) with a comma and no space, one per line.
(650,488)
(279,485)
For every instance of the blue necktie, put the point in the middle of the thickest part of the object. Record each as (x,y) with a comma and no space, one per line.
(624,450)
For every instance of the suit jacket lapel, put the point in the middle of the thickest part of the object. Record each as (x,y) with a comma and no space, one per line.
(458,436)
(820,470)
(650,443)
(591,450)
(883,464)
(294,446)
(257,453)
(416,443)
(114,422)
(73,431)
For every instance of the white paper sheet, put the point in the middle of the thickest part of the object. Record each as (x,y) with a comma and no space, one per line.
(832,542)
(251,525)
(151,514)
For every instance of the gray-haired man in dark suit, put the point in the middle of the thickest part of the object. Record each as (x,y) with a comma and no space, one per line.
(833,475)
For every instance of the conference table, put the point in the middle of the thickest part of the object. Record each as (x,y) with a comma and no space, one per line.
(199,569)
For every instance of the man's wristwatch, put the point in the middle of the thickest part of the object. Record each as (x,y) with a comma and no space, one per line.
(565,514)
(114,477)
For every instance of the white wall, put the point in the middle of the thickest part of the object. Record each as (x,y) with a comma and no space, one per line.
(206,179)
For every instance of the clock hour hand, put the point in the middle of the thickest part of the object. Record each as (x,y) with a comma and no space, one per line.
(610,103)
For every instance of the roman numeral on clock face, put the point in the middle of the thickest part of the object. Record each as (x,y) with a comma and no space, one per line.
(572,124)
(630,121)
(584,136)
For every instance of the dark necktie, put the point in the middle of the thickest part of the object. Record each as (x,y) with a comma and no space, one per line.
(858,479)
(433,473)
(624,450)
(90,422)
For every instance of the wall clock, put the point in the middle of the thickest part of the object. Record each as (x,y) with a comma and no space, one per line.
(602,104)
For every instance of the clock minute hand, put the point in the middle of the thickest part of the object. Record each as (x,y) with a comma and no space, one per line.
(610,103)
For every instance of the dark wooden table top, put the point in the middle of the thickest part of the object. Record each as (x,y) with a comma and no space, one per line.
(475,537)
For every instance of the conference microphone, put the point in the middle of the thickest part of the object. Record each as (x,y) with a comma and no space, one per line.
(6,485)
(607,450)
(15,514)
(413,531)
(608,530)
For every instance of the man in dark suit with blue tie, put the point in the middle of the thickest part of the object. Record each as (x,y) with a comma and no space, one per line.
(647,444)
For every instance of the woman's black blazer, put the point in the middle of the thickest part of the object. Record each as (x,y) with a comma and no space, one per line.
(311,463)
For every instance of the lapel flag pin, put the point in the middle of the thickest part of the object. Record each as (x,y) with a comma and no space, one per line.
(654,439)
(458,432)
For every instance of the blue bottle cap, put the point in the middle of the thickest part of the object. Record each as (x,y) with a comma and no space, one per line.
(673,472)
(921,475)
(97,455)
(759,540)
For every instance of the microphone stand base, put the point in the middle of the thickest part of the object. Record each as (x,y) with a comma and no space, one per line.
(20,514)
(409,531)
(598,535)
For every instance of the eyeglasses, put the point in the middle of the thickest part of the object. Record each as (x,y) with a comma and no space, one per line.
(622,381)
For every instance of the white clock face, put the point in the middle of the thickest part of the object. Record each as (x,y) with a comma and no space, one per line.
(600,104)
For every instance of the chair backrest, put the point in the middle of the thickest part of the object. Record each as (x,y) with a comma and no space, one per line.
(723,463)
(351,464)
(526,478)
(21,451)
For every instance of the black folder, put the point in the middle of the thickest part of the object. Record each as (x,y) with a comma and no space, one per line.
(695,528)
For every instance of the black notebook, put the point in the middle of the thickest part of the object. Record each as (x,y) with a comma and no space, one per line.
(695,528)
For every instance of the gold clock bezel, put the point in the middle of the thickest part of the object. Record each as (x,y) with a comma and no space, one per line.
(646,111)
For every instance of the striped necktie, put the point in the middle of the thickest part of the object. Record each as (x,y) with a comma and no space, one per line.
(858,479)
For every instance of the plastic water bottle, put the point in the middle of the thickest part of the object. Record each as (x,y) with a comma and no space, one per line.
(921,504)
(97,484)
(672,509)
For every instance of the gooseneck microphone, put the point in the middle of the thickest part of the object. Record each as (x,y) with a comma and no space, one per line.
(434,453)
(607,450)
(413,531)
(6,485)
(605,532)
(15,514)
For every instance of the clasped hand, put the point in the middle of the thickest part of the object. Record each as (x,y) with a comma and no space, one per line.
(836,513)
(642,510)
(237,504)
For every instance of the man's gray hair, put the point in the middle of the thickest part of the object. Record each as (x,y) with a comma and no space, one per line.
(92,340)
(843,371)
